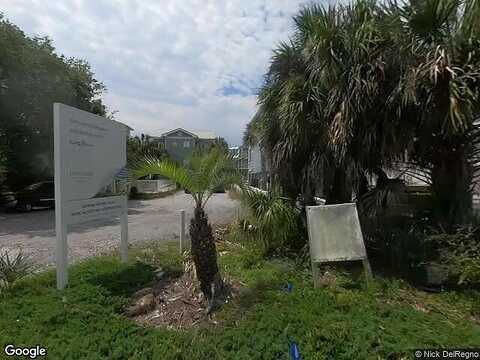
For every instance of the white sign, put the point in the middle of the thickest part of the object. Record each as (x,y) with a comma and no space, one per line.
(89,152)
(334,233)
(82,211)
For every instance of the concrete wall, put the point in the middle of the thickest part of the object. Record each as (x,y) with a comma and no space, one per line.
(153,186)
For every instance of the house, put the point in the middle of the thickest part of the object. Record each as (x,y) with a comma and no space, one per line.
(258,167)
(180,143)
(239,155)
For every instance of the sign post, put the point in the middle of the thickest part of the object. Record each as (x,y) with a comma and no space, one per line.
(182,231)
(89,152)
(124,233)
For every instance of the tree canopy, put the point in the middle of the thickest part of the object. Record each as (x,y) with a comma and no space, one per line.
(32,77)
(360,85)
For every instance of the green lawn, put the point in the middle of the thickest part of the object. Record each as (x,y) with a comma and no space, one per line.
(345,321)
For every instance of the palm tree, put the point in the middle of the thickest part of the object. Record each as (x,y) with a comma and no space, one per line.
(439,42)
(321,91)
(204,173)
(289,124)
(273,219)
(360,85)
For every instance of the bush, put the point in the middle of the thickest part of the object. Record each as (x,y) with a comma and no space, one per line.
(399,244)
(272,221)
(14,267)
(459,253)
(416,249)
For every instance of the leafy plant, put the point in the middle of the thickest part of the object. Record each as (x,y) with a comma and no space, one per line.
(204,173)
(14,267)
(384,322)
(399,244)
(272,220)
(361,85)
(460,254)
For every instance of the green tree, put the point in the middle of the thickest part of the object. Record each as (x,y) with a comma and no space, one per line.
(360,85)
(138,147)
(32,77)
(439,44)
(203,174)
(315,83)
(221,144)
(286,124)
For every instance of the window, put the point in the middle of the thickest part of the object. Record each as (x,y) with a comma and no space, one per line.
(186,144)
(174,144)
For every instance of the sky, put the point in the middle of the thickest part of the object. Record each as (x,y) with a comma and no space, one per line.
(196,64)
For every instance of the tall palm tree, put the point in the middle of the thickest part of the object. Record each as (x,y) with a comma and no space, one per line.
(321,93)
(290,125)
(204,173)
(359,85)
(439,42)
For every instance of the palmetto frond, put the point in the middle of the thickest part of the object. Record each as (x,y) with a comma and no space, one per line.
(201,176)
(274,218)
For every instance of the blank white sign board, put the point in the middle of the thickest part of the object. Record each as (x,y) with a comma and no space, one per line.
(334,233)
(89,151)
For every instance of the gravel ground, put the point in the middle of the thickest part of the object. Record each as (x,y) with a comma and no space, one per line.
(156,219)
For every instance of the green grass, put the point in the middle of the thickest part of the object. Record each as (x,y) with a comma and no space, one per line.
(345,321)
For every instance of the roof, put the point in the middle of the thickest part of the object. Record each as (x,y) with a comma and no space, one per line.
(200,134)
(205,134)
(128,127)
(179,129)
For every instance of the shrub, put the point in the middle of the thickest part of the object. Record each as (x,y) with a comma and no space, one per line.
(14,267)
(398,244)
(459,253)
(272,221)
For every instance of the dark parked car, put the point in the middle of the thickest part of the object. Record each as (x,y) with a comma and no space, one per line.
(41,194)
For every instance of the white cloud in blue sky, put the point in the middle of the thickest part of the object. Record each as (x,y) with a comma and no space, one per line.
(168,63)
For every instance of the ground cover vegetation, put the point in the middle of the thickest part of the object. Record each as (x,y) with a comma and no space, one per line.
(275,307)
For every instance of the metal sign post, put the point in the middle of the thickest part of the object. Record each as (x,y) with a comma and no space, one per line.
(182,231)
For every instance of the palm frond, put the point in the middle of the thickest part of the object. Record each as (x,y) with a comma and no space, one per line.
(203,173)
(274,219)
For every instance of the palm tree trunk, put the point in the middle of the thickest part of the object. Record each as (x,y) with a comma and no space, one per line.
(341,189)
(451,181)
(204,255)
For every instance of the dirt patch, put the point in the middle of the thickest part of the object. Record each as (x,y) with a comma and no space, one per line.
(177,304)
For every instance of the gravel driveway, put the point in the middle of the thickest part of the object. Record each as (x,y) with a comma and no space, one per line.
(156,219)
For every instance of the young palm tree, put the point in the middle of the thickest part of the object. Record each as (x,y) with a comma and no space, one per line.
(273,217)
(200,177)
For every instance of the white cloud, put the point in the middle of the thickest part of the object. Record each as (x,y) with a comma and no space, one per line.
(167,63)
